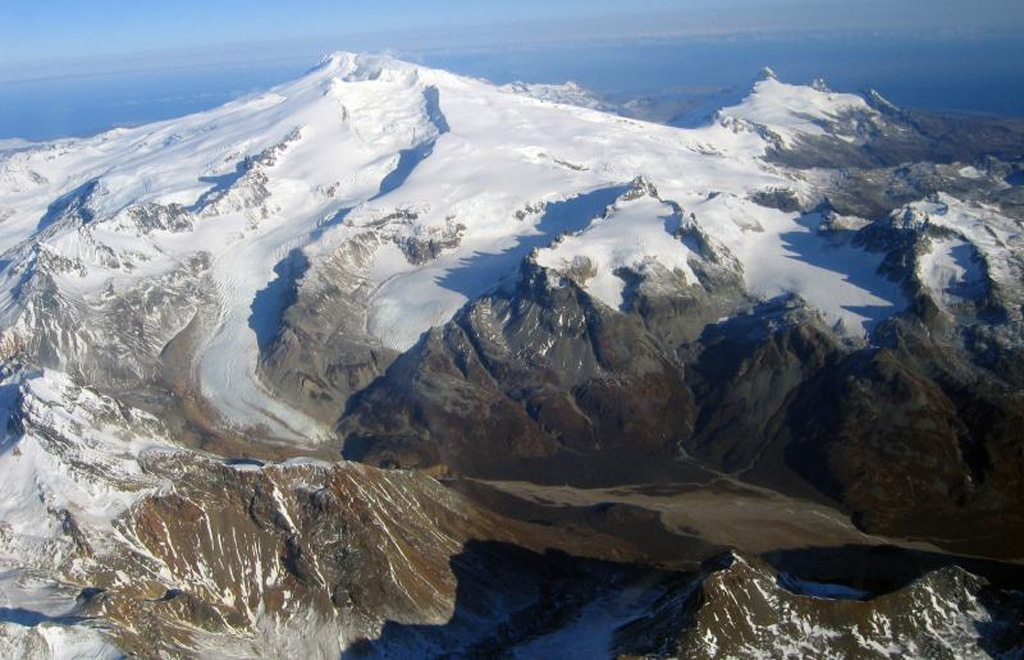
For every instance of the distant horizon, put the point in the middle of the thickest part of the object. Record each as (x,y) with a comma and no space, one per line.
(308,52)
(63,37)
(74,69)
(975,76)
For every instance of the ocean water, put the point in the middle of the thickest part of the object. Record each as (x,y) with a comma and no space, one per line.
(963,75)
(48,108)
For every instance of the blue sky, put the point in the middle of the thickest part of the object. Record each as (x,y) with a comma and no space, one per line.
(35,29)
(76,31)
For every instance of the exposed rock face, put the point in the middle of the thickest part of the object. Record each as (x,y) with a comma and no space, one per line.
(419,250)
(321,353)
(558,377)
(114,340)
(194,555)
(292,557)
(782,199)
(158,217)
(741,608)
(902,435)
(940,443)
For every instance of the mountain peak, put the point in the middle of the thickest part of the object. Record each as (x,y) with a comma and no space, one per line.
(335,61)
(767,73)
(819,85)
(354,67)
(880,103)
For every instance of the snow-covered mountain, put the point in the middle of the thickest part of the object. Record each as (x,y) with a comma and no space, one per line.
(443,181)
(808,292)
